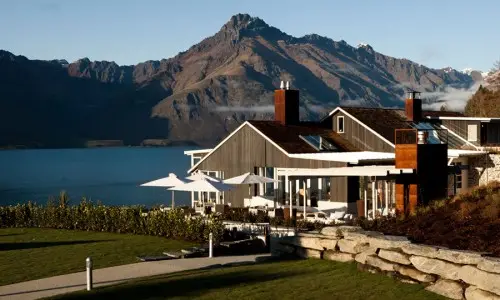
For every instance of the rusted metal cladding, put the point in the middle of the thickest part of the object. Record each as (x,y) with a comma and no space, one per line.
(400,198)
(406,156)
(413,110)
(286,106)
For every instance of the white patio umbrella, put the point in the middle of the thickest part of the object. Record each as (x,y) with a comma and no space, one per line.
(169,181)
(203,185)
(249,178)
(199,175)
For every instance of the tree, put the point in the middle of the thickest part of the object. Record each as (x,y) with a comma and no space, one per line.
(443,107)
(496,66)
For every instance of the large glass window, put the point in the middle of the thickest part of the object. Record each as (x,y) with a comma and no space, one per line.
(325,189)
(269,187)
(281,189)
(313,191)
(196,159)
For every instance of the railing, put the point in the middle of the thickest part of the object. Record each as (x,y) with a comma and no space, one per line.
(421,136)
(405,136)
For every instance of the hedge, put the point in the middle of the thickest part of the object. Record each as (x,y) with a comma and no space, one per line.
(96,217)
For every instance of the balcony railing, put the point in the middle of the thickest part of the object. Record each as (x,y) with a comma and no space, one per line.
(421,136)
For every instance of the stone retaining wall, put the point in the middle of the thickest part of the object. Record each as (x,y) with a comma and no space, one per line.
(483,169)
(454,274)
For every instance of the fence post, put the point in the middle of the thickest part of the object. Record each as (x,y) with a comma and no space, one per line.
(210,245)
(89,273)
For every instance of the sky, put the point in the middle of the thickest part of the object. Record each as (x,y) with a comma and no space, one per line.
(435,33)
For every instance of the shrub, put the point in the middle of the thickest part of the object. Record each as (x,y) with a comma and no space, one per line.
(469,221)
(97,217)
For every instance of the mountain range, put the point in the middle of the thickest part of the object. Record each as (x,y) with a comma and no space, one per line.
(203,93)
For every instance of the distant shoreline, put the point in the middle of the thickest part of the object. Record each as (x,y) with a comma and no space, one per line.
(104,145)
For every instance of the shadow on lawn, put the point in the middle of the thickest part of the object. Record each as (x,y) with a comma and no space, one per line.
(188,284)
(10,234)
(33,245)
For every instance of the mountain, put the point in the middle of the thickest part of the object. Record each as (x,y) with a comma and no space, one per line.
(484,102)
(202,93)
(476,75)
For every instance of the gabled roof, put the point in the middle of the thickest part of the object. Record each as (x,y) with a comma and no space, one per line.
(286,138)
(382,120)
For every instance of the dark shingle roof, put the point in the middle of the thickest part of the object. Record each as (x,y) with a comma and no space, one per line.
(287,136)
(386,120)
(435,114)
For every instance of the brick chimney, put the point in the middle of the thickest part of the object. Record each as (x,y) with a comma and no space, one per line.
(413,106)
(286,105)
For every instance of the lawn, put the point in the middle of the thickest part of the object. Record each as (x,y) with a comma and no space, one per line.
(302,279)
(27,253)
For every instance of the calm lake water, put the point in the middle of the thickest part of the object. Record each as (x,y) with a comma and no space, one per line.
(111,175)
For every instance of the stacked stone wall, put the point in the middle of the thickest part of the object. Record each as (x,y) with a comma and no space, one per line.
(451,273)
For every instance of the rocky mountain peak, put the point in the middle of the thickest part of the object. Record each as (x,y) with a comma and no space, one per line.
(366,47)
(244,25)
(244,21)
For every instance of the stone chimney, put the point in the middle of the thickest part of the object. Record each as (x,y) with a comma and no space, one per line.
(413,106)
(286,105)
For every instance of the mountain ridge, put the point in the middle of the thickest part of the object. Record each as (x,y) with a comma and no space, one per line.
(204,92)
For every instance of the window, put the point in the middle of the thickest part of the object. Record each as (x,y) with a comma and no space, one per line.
(340,124)
(269,188)
(472,133)
(281,197)
(319,142)
(212,196)
(196,159)
(325,189)
(458,177)
(266,189)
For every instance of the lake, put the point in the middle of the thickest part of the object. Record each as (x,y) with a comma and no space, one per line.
(111,175)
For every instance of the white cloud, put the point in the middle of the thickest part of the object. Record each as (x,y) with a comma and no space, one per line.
(354,102)
(258,108)
(454,98)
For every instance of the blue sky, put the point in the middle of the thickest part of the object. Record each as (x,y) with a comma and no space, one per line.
(435,33)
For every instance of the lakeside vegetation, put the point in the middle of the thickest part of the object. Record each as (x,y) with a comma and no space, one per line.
(33,253)
(299,279)
(87,216)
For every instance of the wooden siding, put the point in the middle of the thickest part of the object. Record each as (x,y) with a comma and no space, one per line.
(359,135)
(460,128)
(247,149)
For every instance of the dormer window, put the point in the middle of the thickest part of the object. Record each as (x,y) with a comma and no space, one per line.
(340,124)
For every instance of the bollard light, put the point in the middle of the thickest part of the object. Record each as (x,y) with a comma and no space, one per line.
(89,273)
(210,245)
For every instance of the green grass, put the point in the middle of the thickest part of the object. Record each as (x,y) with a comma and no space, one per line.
(303,279)
(27,253)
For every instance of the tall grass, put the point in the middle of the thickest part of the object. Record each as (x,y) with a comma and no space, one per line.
(88,216)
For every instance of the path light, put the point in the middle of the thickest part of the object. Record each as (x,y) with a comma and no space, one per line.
(89,273)
(210,245)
